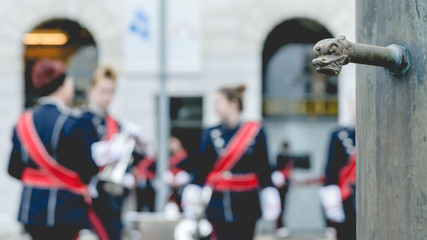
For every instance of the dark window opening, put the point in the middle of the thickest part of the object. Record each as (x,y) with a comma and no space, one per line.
(186,114)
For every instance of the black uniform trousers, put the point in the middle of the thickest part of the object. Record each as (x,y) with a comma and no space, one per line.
(108,208)
(145,197)
(347,229)
(242,230)
(41,232)
(282,191)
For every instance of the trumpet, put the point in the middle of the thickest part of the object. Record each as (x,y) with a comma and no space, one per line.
(113,173)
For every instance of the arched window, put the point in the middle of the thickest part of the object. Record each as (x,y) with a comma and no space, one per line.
(63,40)
(291,88)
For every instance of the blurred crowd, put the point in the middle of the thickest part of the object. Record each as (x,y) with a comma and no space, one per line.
(78,165)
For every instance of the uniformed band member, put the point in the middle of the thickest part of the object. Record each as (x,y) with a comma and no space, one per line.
(51,156)
(347,180)
(234,162)
(177,176)
(281,179)
(110,196)
(341,148)
(145,172)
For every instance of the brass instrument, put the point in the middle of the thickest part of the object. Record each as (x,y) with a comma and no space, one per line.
(113,174)
(199,228)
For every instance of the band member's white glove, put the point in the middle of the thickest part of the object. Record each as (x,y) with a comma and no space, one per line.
(105,152)
(128,180)
(171,211)
(330,197)
(191,201)
(132,129)
(182,178)
(278,179)
(168,177)
(270,203)
(92,187)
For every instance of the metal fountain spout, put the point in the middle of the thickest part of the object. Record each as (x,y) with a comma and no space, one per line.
(332,53)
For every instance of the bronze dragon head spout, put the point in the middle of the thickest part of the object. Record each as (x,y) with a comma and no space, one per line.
(331,54)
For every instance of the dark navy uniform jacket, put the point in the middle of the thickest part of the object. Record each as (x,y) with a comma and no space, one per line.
(233,206)
(107,206)
(96,119)
(140,173)
(342,145)
(145,192)
(144,181)
(65,138)
(184,165)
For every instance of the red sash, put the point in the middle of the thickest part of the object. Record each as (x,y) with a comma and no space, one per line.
(347,177)
(220,177)
(112,127)
(287,170)
(50,173)
(176,159)
(142,169)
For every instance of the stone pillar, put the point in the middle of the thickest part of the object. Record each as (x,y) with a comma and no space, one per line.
(392,125)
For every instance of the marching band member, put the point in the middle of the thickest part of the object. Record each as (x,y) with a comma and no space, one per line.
(105,128)
(176,177)
(338,202)
(51,155)
(145,172)
(281,179)
(234,163)
(347,179)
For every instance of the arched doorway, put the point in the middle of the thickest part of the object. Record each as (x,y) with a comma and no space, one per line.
(64,40)
(300,108)
(288,78)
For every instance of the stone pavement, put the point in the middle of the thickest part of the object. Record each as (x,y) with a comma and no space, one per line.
(155,226)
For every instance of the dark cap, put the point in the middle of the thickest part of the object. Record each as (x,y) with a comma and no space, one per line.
(47,76)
